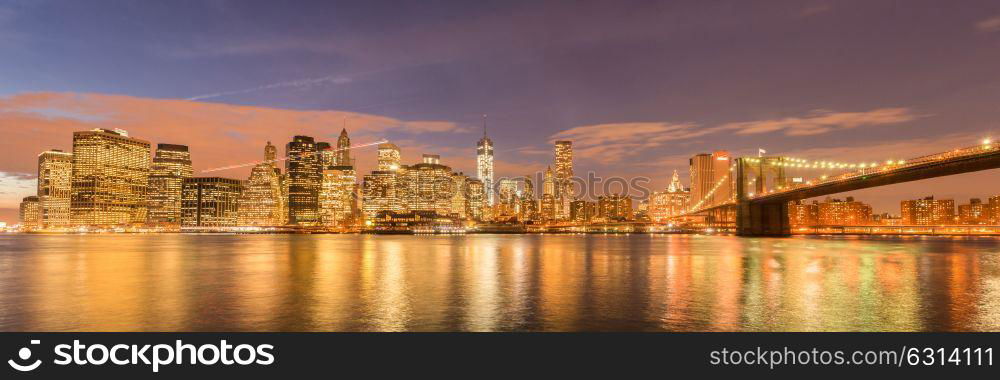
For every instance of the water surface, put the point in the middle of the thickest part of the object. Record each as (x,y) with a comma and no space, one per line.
(175,282)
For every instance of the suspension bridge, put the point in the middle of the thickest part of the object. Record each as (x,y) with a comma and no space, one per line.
(759,188)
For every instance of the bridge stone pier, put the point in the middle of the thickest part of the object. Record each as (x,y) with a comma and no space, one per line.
(763,219)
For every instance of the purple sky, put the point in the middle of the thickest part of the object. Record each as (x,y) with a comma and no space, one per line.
(639,86)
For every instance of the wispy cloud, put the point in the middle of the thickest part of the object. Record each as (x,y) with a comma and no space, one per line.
(991,24)
(609,143)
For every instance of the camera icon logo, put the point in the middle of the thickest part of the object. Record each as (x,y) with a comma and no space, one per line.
(25,354)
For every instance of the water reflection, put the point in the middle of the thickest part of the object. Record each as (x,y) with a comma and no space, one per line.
(496,283)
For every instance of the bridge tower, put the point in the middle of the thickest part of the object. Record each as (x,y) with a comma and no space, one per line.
(754,218)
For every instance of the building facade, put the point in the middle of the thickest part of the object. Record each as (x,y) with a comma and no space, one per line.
(927,211)
(210,202)
(802,214)
(304,177)
(484,166)
(975,212)
(263,202)
(564,178)
(29,213)
(338,197)
(614,208)
(110,178)
(170,166)
(55,186)
(834,212)
(669,203)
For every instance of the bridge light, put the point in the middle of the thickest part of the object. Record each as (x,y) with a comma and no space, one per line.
(987,141)
(901,162)
(862,165)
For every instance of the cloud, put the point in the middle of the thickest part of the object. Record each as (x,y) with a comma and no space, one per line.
(823,121)
(815,10)
(991,24)
(217,134)
(609,143)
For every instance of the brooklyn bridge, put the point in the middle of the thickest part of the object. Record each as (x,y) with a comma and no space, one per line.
(762,188)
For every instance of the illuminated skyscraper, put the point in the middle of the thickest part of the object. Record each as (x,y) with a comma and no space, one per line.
(171,165)
(55,179)
(344,149)
(475,199)
(30,213)
(529,206)
(210,202)
(711,183)
(582,211)
(388,157)
(426,186)
(459,197)
(326,154)
(484,164)
(110,177)
(378,193)
(337,197)
(928,211)
(669,203)
(564,175)
(549,183)
(303,168)
(263,201)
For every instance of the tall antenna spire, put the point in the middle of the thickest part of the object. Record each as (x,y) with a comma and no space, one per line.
(484,125)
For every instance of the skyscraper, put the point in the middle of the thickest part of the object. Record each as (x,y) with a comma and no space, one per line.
(110,177)
(378,193)
(669,203)
(263,202)
(304,177)
(171,165)
(484,164)
(426,186)
(344,149)
(55,179)
(388,157)
(326,154)
(337,197)
(711,183)
(564,175)
(475,199)
(210,202)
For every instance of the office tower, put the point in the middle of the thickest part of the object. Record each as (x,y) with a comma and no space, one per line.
(669,203)
(928,211)
(582,211)
(171,165)
(563,180)
(210,202)
(426,186)
(30,213)
(337,197)
(528,210)
(711,184)
(263,201)
(110,177)
(993,209)
(834,212)
(801,214)
(378,193)
(344,149)
(303,170)
(388,157)
(55,179)
(326,154)
(549,183)
(975,212)
(721,179)
(614,207)
(476,199)
(484,164)
(547,207)
(459,197)
(701,180)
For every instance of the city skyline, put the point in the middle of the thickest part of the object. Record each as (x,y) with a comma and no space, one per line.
(641,117)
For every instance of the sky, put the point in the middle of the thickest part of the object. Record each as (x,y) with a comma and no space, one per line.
(639,86)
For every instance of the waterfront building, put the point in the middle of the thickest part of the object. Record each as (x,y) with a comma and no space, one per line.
(928,211)
(672,202)
(582,211)
(304,177)
(993,209)
(210,202)
(834,212)
(547,207)
(338,197)
(110,178)
(802,214)
(484,165)
(975,212)
(170,166)
(614,207)
(29,213)
(55,182)
(459,197)
(263,201)
(528,206)
(378,193)
(711,183)
(426,186)
(475,199)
